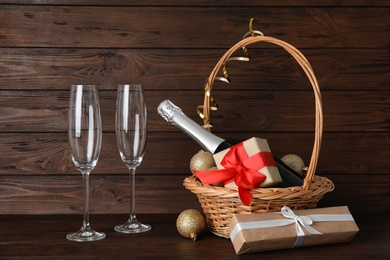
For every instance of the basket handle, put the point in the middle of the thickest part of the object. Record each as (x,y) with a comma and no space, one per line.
(304,63)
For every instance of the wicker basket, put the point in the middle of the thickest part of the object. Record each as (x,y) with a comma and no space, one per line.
(219,204)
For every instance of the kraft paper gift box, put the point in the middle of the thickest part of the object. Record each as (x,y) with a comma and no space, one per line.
(254,146)
(290,229)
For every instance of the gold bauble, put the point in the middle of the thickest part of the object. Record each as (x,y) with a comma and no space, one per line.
(294,162)
(202,161)
(191,223)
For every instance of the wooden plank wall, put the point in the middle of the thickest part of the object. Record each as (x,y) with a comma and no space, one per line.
(171,48)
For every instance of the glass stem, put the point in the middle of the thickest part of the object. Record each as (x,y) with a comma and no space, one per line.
(132,193)
(86,225)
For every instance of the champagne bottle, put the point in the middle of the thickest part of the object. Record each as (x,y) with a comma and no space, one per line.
(214,144)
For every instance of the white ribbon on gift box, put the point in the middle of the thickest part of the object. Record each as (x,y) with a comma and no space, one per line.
(291,218)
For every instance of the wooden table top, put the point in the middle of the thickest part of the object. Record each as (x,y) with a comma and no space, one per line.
(43,237)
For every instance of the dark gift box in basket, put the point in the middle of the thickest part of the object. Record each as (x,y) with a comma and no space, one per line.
(290,229)
(219,204)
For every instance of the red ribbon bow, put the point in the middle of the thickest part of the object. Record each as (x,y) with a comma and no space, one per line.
(241,169)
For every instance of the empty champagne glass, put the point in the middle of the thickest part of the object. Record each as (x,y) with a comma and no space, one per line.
(85,138)
(131,132)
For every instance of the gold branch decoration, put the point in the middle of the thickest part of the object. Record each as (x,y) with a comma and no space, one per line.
(225,78)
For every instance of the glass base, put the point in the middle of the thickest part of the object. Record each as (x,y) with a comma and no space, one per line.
(132,227)
(86,236)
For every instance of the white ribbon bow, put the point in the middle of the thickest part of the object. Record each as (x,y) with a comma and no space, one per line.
(305,221)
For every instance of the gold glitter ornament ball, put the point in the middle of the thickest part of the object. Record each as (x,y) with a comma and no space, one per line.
(294,162)
(191,223)
(202,161)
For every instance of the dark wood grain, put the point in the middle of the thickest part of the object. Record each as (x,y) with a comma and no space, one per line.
(48,154)
(171,47)
(363,3)
(62,194)
(43,237)
(183,69)
(239,111)
(158,27)
(109,194)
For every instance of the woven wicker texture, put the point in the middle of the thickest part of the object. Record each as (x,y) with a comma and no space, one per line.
(219,204)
